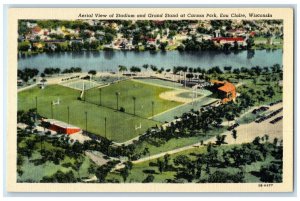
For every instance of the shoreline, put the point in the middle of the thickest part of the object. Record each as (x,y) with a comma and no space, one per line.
(27,53)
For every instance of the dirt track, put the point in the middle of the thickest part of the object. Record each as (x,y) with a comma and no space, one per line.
(173,96)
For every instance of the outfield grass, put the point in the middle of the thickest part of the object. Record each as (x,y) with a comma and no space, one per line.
(178,111)
(161,82)
(143,93)
(120,126)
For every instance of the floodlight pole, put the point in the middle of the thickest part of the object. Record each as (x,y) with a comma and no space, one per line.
(51,110)
(152,108)
(100,90)
(36,108)
(134,98)
(68,115)
(117,94)
(86,122)
(105,126)
(36,104)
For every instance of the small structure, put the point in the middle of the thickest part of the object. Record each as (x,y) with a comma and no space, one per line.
(225,90)
(61,127)
(229,40)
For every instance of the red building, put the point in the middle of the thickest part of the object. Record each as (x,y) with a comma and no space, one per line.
(62,127)
(229,40)
(226,90)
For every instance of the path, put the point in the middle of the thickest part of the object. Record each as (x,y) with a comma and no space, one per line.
(27,87)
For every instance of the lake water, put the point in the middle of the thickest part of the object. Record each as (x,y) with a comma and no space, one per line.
(109,60)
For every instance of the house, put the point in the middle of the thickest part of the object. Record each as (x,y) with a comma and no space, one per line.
(151,41)
(61,127)
(20,82)
(38,45)
(229,40)
(78,40)
(225,90)
(236,32)
(36,31)
(31,25)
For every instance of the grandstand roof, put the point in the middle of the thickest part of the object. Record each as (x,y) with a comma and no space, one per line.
(227,87)
(60,123)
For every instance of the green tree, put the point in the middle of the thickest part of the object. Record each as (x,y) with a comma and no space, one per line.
(148,179)
(124,173)
(24,46)
(160,165)
(234,134)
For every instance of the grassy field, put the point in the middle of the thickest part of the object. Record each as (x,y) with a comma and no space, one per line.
(143,93)
(120,126)
(178,111)
(80,84)
(161,82)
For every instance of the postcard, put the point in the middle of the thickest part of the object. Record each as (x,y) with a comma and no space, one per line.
(150,100)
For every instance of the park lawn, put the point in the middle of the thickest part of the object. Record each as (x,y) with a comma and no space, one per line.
(156,147)
(35,173)
(120,126)
(139,171)
(144,94)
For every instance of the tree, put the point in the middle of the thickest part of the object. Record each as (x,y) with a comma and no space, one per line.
(122,68)
(224,177)
(60,177)
(146,151)
(256,140)
(102,172)
(271,173)
(160,165)
(163,45)
(266,137)
(77,164)
(129,165)
(189,76)
(181,160)
(250,42)
(234,134)
(124,173)
(92,72)
(146,66)
(275,141)
(166,161)
(149,179)
(135,69)
(229,117)
(220,139)
(24,46)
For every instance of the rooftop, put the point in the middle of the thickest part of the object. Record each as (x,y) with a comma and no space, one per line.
(228,39)
(60,123)
(227,87)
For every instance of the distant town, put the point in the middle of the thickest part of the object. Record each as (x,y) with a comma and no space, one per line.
(36,36)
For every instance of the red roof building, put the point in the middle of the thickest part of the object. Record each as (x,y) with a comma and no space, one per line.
(226,89)
(62,127)
(228,39)
(36,30)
